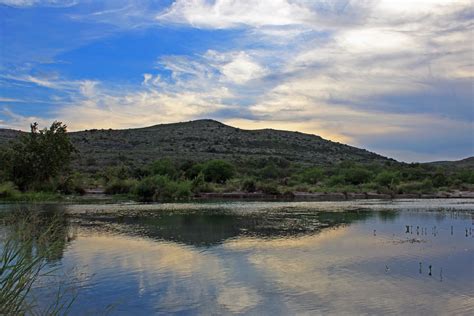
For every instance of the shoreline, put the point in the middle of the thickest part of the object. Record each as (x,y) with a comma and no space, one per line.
(331,196)
(94,197)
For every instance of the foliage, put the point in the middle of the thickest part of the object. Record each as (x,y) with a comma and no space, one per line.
(164,167)
(8,190)
(249,185)
(39,156)
(357,175)
(120,186)
(71,184)
(29,245)
(312,175)
(161,188)
(387,178)
(268,188)
(218,171)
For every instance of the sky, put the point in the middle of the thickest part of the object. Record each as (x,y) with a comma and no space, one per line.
(391,76)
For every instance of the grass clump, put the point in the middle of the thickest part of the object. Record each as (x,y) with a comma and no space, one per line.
(8,190)
(26,249)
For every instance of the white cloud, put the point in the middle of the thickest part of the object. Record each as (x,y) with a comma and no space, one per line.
(230,13)
(30,3)
(340,69)
(236,67)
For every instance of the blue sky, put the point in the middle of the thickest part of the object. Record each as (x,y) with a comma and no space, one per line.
(395,77)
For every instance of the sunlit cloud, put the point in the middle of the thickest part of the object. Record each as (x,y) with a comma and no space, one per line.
(368,73)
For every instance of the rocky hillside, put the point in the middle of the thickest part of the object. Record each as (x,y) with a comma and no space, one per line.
(202,140)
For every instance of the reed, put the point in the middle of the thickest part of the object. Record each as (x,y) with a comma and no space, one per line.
(27,245)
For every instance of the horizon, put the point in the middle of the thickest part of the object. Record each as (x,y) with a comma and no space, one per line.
(393,79)
(250,129)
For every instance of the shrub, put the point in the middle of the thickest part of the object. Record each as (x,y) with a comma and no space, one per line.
(466,176)
(145,189)
(249,185)
(164,167)
(387,178)
(120,186)
(269,188)
(440,180)
(161,188)
(192,172)
(39,156)
(425,186)
(121,172)
(357,175)
(270,171)
(71,184)
(336,180)
(218,171)
(200,185)
(312,175)
(8,191)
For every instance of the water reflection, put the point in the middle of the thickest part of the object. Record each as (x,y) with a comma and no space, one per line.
(43,232)
(292,260)
(211,227)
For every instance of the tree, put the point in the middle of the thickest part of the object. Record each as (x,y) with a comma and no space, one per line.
(39,156)
(218,171)
(357,175)
(164,167)
(387,178)
(312,175)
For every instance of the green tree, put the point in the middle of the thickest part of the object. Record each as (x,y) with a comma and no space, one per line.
(39,156)
(218,171)
(357,175)
(387,178)
(312,175)
(164,167)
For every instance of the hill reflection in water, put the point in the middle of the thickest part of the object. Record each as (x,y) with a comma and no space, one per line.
(283,260)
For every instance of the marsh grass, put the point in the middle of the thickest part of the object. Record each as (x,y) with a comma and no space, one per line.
(31,240)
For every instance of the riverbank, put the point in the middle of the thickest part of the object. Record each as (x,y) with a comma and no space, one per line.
(331,196)
(98,196)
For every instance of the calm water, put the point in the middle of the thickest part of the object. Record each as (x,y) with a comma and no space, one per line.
(268,258)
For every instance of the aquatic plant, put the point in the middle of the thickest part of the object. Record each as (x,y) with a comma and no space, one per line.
(26,249)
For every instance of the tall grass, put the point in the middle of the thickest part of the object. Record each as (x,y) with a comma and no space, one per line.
(26,249)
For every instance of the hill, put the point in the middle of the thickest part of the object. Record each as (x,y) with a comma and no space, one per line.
(463,163)
(203,140)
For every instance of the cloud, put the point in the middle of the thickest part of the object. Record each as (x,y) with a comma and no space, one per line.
(222,14)
(31,3)
(385,75)
(236,67)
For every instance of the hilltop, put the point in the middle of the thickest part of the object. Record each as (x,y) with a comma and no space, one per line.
(463,163)
(203,140)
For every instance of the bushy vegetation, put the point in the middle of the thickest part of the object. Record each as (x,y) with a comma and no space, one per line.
(47,153)
(39,161)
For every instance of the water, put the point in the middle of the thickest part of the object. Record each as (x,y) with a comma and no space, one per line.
(268,258)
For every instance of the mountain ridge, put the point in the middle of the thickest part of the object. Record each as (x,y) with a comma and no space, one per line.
(203,140)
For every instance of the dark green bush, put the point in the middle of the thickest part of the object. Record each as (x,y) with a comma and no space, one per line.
(218,171)
(146,188)
(312,175)
(73,184)
(120,186)
(268,188)
(357,175)
(440,180)
(164,167)
(336,180)
(270,171)
(8,190)
(387,178)
(249,185)
(161,188)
